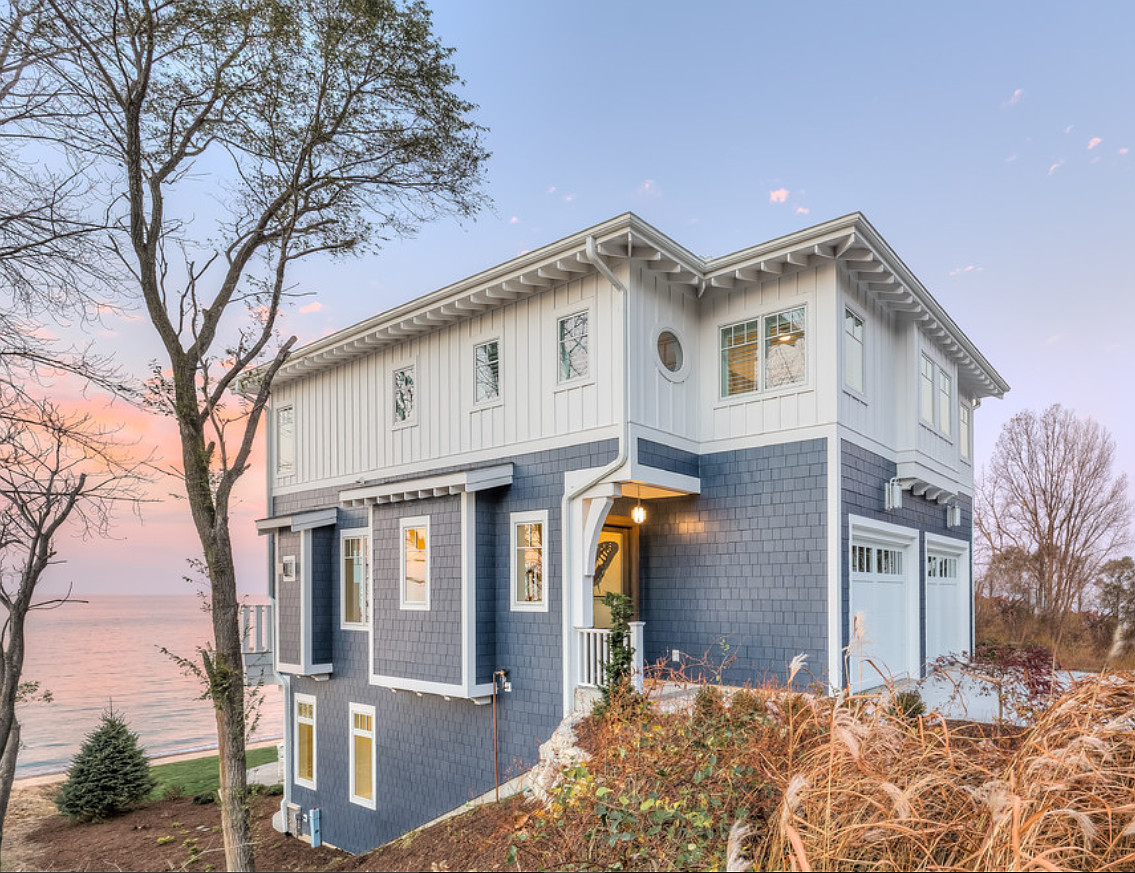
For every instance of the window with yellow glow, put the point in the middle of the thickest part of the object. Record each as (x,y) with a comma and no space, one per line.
(529,561)
(414,590)
(305,740)
(362,755)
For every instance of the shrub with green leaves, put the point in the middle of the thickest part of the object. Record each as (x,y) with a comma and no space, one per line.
(108,776)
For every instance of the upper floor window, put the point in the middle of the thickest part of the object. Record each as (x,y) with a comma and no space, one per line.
(405,395)
(945,402)
(355,578)
(528,561)
(783,355)
(936,397)
(285,440)
(853,357)
(926,391)
(965,430)
(573,358)
(486,372)
(414,589)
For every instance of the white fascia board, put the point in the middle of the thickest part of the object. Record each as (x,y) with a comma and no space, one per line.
(429,486)
(423,686)
(299,521)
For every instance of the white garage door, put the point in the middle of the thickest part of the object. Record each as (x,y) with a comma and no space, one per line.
(947,599)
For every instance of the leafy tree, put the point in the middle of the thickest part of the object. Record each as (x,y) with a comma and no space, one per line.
(233,139)
(108,776)
(618,669)
(1052,497)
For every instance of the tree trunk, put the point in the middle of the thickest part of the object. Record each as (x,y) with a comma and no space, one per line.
(8,775)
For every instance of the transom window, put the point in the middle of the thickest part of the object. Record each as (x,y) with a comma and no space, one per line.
(573,360)
(940,567)
(528,561)
(305,740)
(783,356)
(853,358)
(415,585)
(362,755)
(355,576)
(486,372)
(873,559)
(404,395)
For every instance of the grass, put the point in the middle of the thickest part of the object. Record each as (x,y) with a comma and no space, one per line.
(200,775)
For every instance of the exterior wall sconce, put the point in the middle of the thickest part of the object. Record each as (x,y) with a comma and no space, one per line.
(953,515)
(638,514)
(893,490)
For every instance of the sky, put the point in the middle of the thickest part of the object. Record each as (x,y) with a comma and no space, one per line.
(990,144)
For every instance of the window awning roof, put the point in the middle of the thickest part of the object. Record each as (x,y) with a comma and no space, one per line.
(298,521)
(441,485)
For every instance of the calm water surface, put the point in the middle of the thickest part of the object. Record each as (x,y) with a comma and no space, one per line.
(107,651)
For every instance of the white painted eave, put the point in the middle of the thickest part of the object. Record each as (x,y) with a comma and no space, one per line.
(441,485)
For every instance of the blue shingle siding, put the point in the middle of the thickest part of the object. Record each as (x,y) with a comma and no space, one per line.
(323,619)
(739,573)
(288,600)
(416,643)
(863,476)
(435,754)
(668,458)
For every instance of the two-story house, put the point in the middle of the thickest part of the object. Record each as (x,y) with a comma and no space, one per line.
(770,452)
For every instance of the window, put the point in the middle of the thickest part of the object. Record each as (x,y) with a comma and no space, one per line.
(926,394)
(285,440)
(941,567)
(945,402)
(965,430)
(573,363)
(670,351)
(869,559)
(362,755)
(404,396)
(355,577)
(783,354)
(305,740)
(486,372)
(415,586)
(853,359)
(529,571)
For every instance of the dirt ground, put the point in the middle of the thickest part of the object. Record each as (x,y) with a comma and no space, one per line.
(180,835)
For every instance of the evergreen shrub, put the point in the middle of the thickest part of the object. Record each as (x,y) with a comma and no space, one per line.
(108,776)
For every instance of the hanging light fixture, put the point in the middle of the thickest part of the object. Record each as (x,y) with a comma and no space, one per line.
(638,514)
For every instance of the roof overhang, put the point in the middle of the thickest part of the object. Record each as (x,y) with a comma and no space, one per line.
(850,240)
(442,485)
(298,521)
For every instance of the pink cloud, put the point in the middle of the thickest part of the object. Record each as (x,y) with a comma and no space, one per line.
(1056,166)
(1123,150)
(1011,158)
(1093,142)
(568,198)
(314,306)
(1014,99)
(969,268)
(802,210)
(514,220)
(648,188)
(1068,129)
(780,195)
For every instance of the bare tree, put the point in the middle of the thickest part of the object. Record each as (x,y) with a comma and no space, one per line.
(58,472)
(237,137)
(1051,506)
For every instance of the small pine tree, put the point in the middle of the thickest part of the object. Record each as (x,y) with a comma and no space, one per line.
(108,776)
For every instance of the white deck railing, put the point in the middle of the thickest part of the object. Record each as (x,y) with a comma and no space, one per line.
(595,654)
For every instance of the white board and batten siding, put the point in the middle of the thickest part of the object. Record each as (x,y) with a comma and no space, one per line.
(345,416)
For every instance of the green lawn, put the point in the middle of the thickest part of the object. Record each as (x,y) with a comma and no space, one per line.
(201,775)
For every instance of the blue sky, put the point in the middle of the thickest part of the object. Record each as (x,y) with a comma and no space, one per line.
(989,143)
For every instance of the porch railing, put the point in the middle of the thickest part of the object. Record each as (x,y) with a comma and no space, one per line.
(256,628)
(595,654)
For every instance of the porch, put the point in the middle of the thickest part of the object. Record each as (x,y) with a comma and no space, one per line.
(594,647)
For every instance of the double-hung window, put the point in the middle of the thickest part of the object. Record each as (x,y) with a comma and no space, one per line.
(285,440)
(926,391)
(529,557)
(362,755)
(853,357)
(305,758)
(572,333)
(945,402)
(965,430)
(486,372)
(405,395)
(764,353)
(355,576)
(414,589)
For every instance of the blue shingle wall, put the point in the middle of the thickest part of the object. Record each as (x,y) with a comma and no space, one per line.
(863,475)
(435,754)
(668,458)
(323,618)
(739,573)
(288,600)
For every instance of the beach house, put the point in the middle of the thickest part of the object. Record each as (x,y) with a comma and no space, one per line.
(769,452)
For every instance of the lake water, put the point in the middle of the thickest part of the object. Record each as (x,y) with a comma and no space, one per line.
(107,651)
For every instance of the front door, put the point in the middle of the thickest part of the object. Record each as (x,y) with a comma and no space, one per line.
(614,569)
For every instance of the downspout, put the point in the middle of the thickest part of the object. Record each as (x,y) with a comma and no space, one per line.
(591,251)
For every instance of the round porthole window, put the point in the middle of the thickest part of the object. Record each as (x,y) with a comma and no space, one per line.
(670,351)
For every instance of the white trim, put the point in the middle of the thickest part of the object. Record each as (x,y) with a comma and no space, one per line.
(515,519)
(416,522)
(857,393)
(289,469)
(413,417)
(362,533)
(959,549)
(441,485)
(761,391)
(298,521)
(836,558)
(352,732)
(426,686)
(288,568)
(468,590)
(560,315)
(297,699)
(475,405)
(683,371)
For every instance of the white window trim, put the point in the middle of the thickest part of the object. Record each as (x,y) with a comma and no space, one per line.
(683,371)
(518,518)
(368,582)
(499,399)
(946,428)
(761,391)
(587,378)
(297,699)
(966,438)
(418,521)
(860,393)
(413,417)
(284,470)
(362,709)
(288,568)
